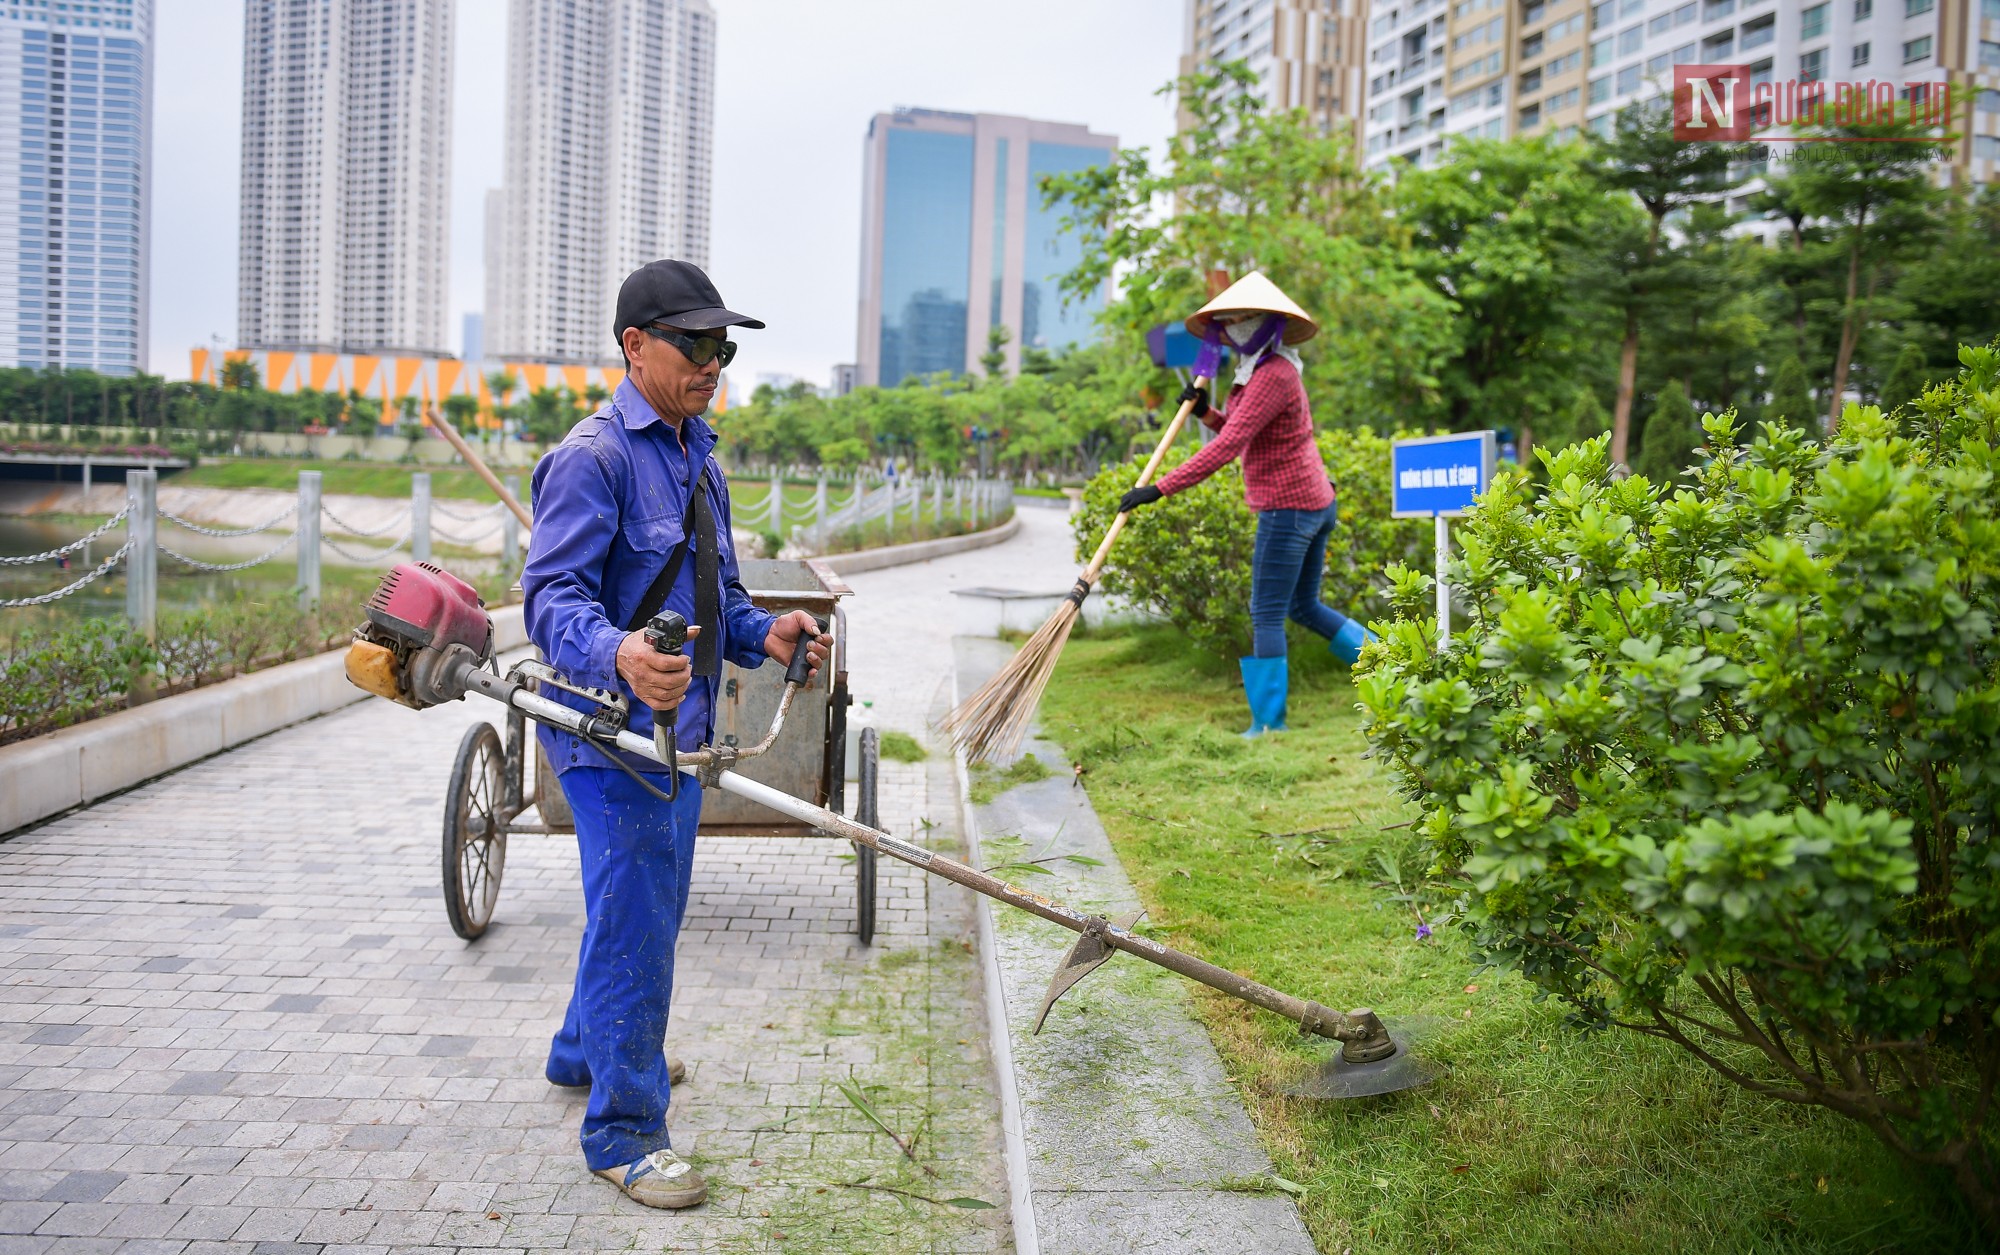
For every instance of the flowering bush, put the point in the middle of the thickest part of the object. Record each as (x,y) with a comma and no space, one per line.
(1723,767)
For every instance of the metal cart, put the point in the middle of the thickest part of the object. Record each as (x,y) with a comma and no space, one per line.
(487,797)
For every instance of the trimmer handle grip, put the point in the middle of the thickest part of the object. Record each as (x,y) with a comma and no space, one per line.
(667,632)
(800,668)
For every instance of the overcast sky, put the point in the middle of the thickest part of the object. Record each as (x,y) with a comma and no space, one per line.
(796,83)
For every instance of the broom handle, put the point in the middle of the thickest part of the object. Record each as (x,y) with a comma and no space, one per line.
(472,459)
(1145,477)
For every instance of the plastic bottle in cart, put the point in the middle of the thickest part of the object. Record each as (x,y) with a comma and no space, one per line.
(860,715)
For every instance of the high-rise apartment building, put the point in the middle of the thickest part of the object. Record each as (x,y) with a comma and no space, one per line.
(1444,68)
(955,240)
(610,107)
(346,183)
(1307,54)
(76,84)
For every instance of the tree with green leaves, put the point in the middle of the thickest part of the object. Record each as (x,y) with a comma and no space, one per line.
(241,373)
(1669,438)
(1500,232)
(462,412)
(1791,396)
(1875,190)
(994,360)
(1711,331)
(1907,378)
(1664,174)
(1254,189)
(1950,295)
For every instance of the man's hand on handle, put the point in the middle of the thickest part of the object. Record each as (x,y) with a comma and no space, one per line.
(1138,497)
(783,639)
(657,679)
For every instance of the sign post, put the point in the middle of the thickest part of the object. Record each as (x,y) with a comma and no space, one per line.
(1437,477)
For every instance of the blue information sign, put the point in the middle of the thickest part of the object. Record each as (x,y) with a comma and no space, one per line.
(1439,475)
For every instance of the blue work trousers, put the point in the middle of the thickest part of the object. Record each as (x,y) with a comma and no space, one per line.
(1285,570)
(638,853)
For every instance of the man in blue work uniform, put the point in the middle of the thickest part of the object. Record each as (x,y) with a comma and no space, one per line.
(632,516)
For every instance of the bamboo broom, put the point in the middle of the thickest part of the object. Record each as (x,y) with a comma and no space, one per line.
(990,723)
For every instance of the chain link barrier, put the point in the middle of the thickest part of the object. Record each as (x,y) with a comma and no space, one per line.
(28,559)
(467,541)
(265,526)
(365,558)
(349,528)
(218,567)
(43,600)
(474,517)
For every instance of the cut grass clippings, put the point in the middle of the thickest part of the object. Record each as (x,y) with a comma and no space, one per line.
(901,747)
(988,783)
(1275,858)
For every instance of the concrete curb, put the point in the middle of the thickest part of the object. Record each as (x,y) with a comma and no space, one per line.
(918,551)
(1123,1132)
(47,775)
(1020,1191)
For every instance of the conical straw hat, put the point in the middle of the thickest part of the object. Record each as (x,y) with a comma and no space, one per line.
(1254,292)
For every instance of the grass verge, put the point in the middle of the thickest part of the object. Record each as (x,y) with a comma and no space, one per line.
(360,479)
(1280,859)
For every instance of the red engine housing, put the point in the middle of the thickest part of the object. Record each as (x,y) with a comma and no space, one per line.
(421,606)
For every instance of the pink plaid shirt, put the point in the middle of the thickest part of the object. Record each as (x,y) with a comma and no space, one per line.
(1269,424)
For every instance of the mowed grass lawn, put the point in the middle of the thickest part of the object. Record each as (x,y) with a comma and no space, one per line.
(1538,1136)
(392,479)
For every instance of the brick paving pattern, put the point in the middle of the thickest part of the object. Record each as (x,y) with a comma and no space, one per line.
(233,1018)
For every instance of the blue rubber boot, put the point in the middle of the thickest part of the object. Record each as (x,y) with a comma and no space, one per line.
(1347,642)
(1265,682)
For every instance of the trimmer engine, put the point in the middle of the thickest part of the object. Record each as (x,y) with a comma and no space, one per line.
(418,615)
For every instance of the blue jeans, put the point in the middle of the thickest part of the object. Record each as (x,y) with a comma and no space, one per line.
(1284,577)
(637,855)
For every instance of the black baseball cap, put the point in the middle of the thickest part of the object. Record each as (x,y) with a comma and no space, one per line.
(677,294)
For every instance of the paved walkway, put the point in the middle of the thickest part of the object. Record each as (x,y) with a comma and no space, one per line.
(232,1016)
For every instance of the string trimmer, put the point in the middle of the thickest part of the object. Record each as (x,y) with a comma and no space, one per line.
(428,640)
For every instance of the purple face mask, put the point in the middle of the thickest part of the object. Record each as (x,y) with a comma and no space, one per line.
(1254,344)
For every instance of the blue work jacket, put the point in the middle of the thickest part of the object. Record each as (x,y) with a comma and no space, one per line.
(610,501)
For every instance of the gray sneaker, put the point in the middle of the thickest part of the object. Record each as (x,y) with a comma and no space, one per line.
(661,1179)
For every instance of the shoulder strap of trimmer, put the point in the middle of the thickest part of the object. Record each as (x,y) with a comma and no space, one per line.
(656,593)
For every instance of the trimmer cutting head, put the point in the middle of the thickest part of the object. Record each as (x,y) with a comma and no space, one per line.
(1341,1077)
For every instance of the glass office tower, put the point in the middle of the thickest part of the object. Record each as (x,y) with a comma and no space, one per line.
(75,130)
(955,241)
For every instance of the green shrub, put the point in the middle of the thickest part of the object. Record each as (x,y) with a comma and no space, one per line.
(50,681)
(1724,768)
(79,672)
(1188,556)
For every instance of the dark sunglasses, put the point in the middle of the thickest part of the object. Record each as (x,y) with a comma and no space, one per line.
(697,349)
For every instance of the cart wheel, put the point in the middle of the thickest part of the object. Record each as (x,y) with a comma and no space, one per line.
(475,834)
(866,812)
